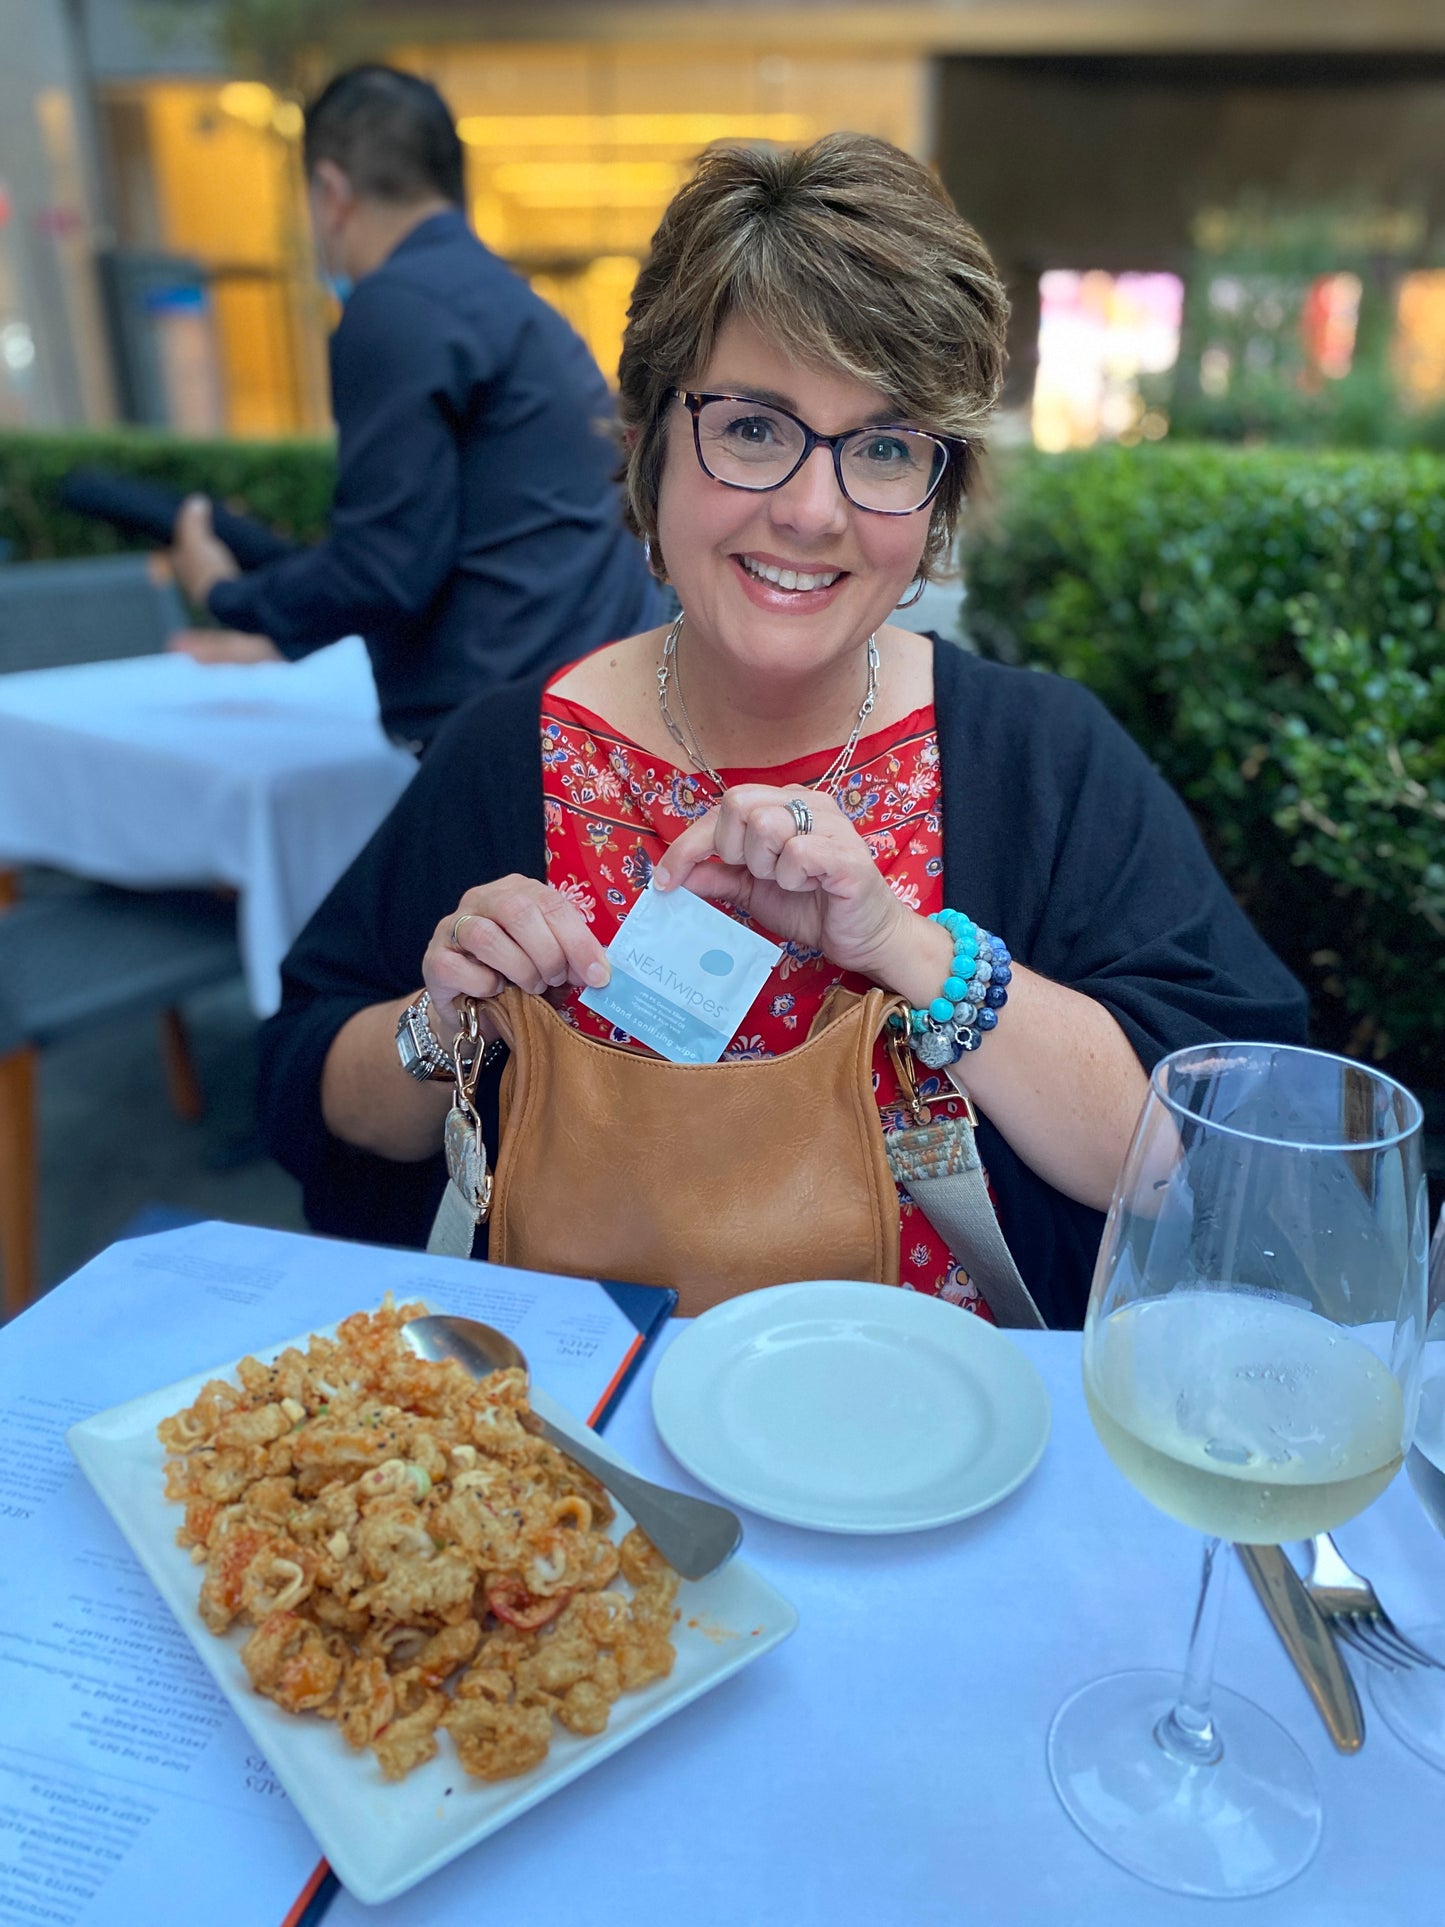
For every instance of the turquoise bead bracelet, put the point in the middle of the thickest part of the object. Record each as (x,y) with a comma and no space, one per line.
(970,998)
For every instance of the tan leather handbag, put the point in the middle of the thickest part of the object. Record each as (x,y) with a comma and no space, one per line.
(712,1178)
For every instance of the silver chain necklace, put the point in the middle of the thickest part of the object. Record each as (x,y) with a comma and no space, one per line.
(685,736)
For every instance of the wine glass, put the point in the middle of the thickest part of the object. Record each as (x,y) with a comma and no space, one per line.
(1249,1364)
(1412,1700)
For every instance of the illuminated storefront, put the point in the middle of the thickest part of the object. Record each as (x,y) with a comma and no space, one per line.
(155,261)
(572,153)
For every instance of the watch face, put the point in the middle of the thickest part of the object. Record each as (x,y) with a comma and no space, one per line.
(414,1057)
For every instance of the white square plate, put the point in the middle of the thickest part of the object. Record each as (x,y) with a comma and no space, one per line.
(382,1838)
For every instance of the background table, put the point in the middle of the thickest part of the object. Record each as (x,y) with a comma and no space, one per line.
(159,771)
(886,1765)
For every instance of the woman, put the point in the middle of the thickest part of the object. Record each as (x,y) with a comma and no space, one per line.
(812,352)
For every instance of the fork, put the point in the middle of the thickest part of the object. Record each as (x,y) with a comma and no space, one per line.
(1350,1603)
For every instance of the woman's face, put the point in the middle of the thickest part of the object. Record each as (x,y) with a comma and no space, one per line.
(725,547)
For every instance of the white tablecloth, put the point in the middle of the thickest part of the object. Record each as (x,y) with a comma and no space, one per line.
(160,771)
(885,1767)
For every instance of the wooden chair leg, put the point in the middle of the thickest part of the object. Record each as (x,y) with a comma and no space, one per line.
(18,1178)
(183,1084)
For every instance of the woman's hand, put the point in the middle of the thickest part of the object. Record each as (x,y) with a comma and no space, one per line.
(821,890)
(1058,1078)
(516,931)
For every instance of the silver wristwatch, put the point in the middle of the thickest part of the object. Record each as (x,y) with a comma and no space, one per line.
(422,1057)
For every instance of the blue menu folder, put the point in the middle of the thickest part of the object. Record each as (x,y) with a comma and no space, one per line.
(649,1307)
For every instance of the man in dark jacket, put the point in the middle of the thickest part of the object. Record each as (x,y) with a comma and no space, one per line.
(476,533)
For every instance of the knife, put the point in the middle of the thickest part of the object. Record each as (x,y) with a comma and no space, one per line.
(1308,1640)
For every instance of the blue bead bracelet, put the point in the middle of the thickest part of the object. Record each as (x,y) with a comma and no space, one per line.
(970,998)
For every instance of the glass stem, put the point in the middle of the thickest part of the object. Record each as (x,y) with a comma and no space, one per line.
(1188,1733)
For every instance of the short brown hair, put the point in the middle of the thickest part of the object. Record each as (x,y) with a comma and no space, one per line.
(851,254)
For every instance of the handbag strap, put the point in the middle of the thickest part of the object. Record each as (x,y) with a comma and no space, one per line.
(467,1198)
(939,1167)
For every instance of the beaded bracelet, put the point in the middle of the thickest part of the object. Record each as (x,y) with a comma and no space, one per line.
(973,993)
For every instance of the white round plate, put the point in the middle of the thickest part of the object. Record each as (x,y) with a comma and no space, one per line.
(851,1407)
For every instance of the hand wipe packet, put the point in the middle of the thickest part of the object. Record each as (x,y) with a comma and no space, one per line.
(683,975)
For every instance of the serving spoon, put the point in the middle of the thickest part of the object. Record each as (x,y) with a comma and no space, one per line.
(694,1536)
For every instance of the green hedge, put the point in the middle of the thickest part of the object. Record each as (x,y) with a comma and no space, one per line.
(1270,625)
(287,484)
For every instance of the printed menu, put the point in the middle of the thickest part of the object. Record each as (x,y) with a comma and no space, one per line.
(117,1751)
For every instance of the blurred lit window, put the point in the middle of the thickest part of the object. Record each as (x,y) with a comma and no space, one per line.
(1328,321)
(1420,337)
(572,199)
(1280,327)
(1098,334)
(573,151)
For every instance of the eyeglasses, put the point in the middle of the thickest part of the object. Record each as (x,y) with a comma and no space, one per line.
(755,445)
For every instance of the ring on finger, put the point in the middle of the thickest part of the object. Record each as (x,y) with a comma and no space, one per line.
(802,816)
(466,916)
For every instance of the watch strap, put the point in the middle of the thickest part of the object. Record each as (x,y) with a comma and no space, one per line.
(417,1045)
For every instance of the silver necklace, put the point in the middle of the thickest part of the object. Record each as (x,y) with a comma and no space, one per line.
(685,736)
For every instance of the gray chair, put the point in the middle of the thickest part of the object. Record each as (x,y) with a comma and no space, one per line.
(93,609)
(71,962)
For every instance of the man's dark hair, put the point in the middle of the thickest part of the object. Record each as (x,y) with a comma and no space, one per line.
(390,133)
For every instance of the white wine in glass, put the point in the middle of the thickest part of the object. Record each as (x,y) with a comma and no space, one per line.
(1249,1356)
(1412,1699)
(1208,1401)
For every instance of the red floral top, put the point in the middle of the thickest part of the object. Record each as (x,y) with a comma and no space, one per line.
(611,809)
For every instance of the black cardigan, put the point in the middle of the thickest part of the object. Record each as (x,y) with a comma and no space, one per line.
(1057,833)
